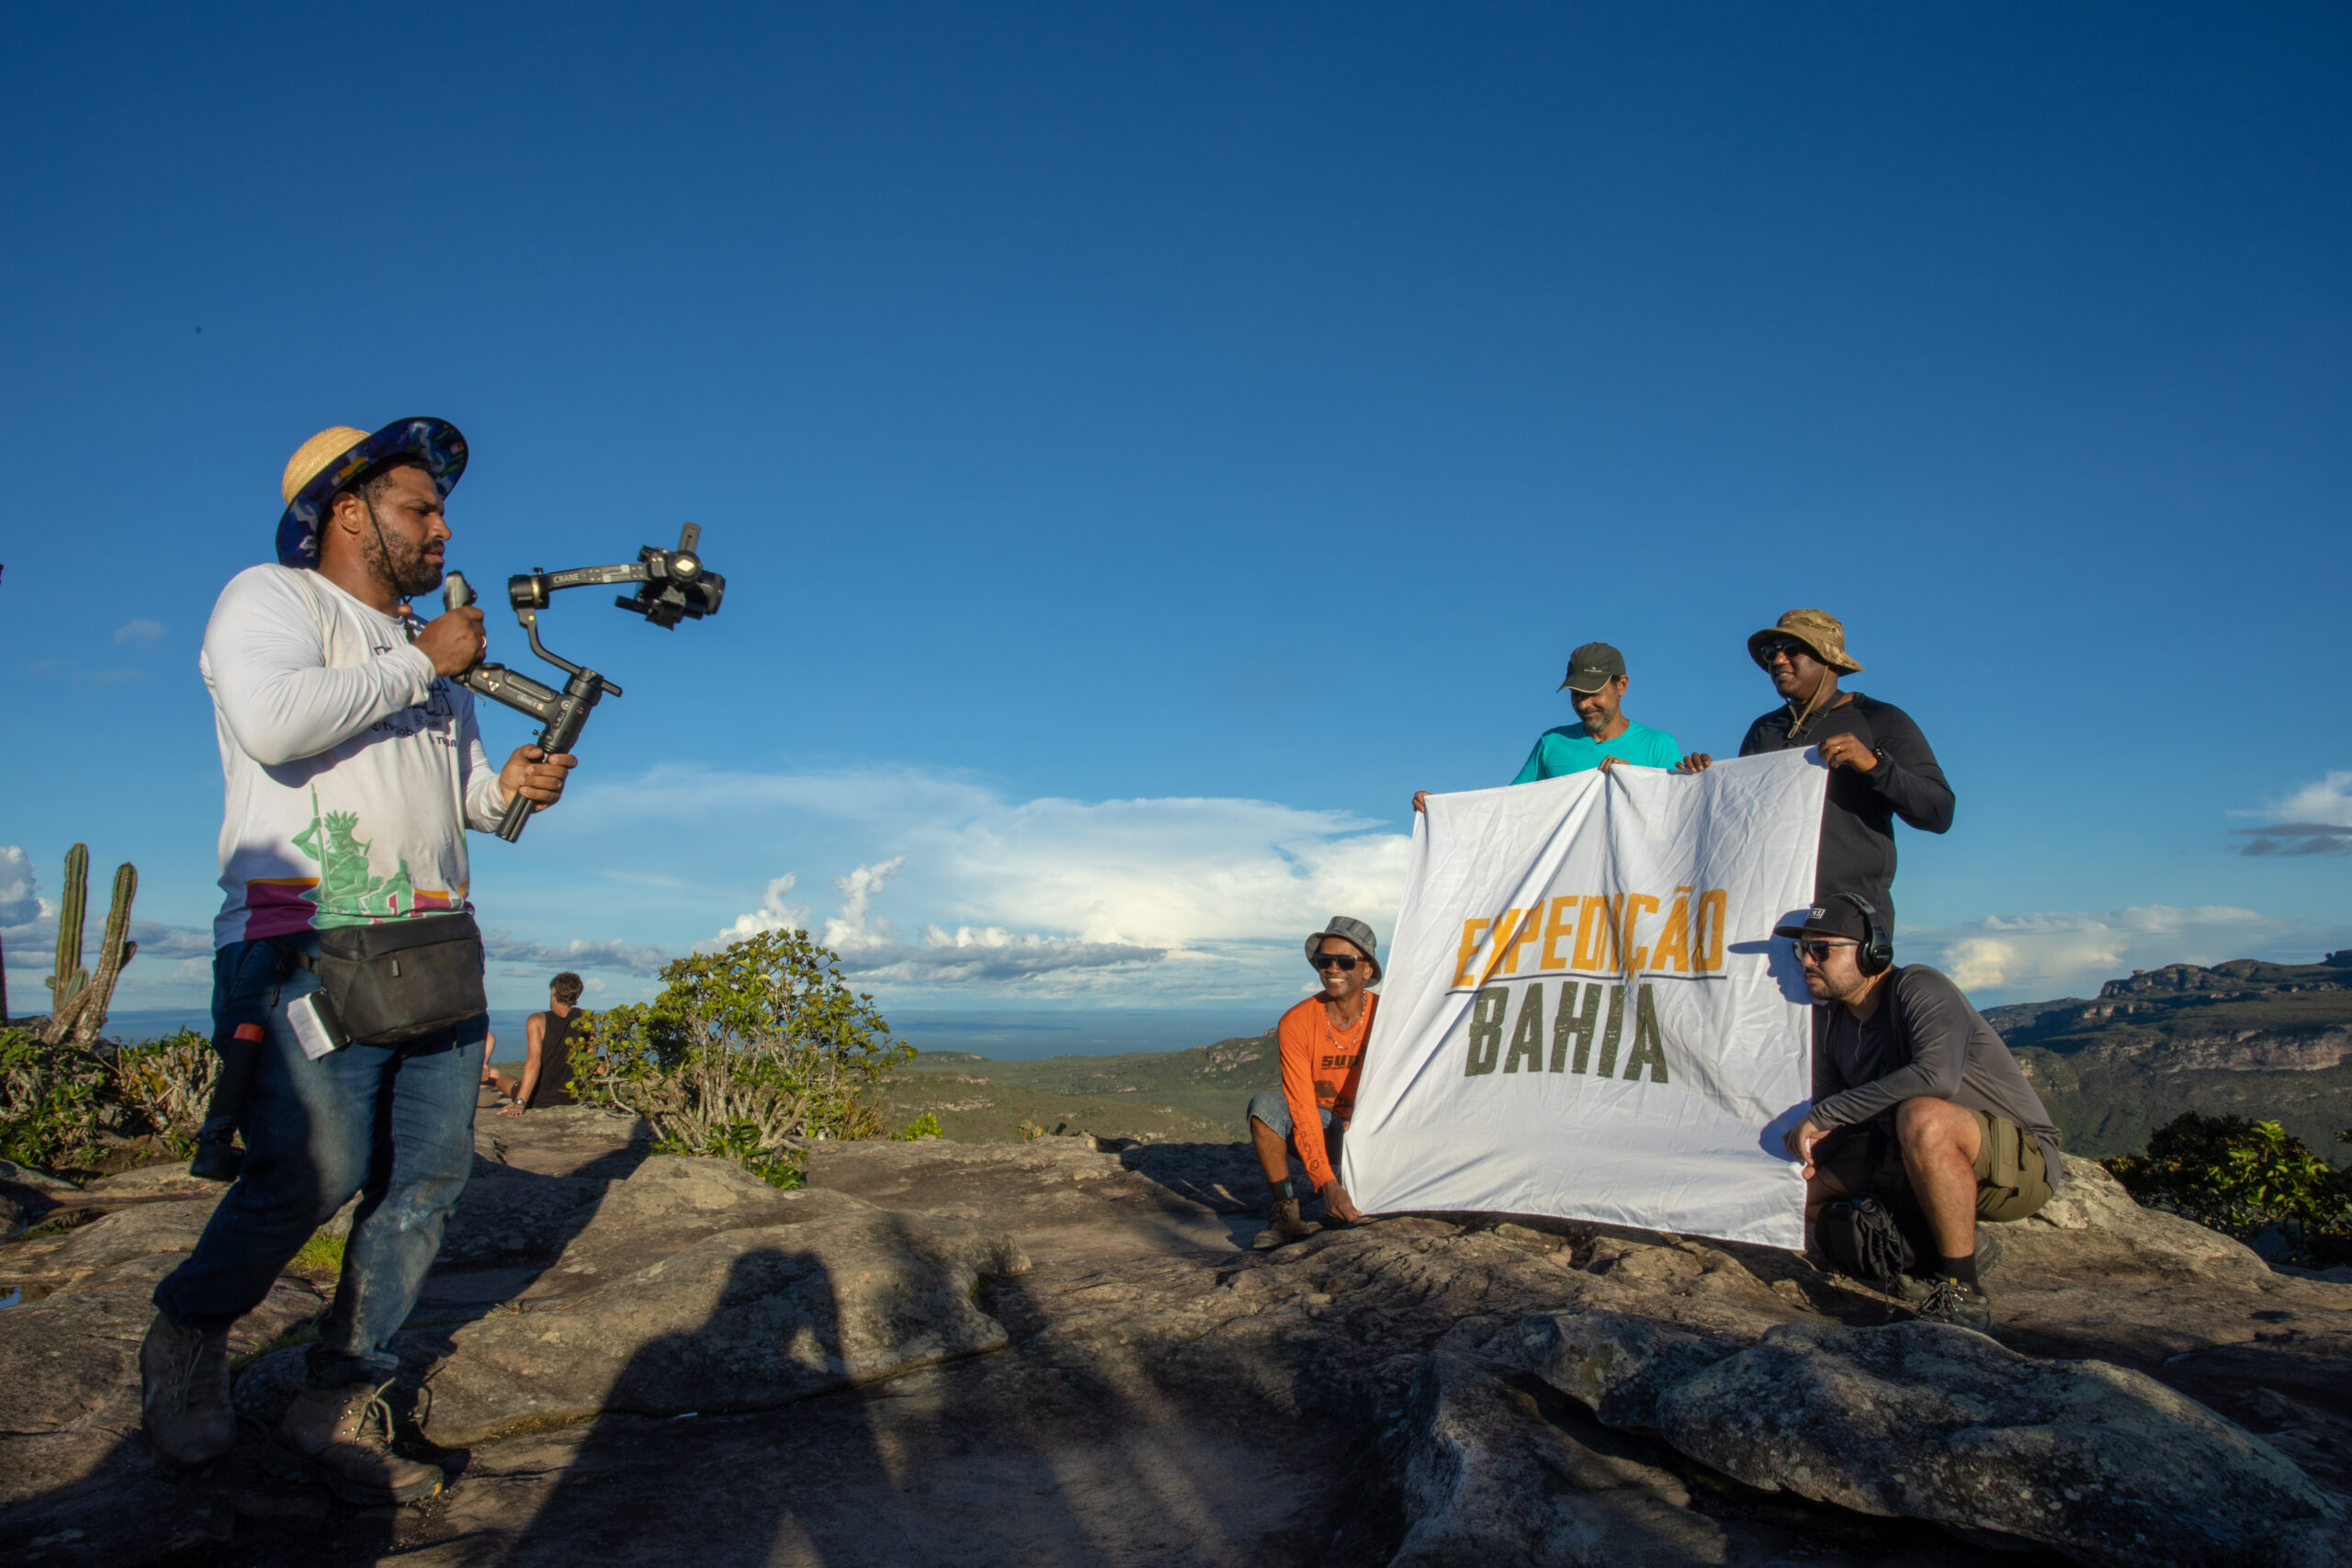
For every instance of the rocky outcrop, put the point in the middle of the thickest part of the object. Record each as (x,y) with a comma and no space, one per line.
(1930,1422)
(69,1402)
(818,1293)
(1488,1479)
(1064,1351)
(2313,1050)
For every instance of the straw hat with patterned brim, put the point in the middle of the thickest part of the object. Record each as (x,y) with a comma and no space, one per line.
(1817,630)
(333,458)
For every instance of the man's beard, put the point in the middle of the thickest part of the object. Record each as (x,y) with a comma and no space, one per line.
(403,569)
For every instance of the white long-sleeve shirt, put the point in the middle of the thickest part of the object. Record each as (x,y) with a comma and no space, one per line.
(352,770)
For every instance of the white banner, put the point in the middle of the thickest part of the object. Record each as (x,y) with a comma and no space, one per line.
(1587,1014)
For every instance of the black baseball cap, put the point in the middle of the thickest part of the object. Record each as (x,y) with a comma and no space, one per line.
(1839,917)
(1592,667)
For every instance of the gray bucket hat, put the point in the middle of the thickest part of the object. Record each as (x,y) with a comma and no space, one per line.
(1348,930)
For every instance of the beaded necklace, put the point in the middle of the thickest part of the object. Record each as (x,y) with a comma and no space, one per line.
(1339,1036)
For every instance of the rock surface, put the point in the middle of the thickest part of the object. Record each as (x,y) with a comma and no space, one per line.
(1926,1421)
(819,1292)
(861,1372)
(69,1404)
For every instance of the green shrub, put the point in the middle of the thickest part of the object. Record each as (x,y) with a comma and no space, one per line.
(49,1100)
(169,1081)
(923,1126)
(747,1054)
(2245,1178)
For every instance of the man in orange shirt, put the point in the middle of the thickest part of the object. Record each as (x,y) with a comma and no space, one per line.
(1321,1041)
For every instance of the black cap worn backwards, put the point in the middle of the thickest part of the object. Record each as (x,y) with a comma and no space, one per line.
(1592,667)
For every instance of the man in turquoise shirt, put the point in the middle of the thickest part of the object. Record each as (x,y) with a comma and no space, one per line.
(1596,677)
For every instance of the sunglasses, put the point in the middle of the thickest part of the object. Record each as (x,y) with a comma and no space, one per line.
(1816,948)
(1340,961)
(1772,651)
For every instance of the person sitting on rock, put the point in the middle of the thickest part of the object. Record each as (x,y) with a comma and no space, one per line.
(1913,1090)
(491,1078)
(547,1070)
(1321,1043)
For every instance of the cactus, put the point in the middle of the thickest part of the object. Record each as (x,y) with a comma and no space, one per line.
(114,951)
(70,976)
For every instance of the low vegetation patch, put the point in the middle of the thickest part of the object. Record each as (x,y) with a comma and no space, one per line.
(50,1101)
(2246,1179)
(323,1254)
(169,1082)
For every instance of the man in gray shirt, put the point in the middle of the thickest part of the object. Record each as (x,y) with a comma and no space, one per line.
(1912,1088)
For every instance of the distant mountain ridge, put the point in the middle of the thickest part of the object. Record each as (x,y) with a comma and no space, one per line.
(2246,1038)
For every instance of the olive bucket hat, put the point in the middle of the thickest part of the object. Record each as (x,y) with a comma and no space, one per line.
(1817,630)
(333,458)
(1347,930)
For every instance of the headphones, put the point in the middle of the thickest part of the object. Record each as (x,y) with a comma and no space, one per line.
(1876,954)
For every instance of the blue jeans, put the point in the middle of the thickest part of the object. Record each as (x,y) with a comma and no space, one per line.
(394,1123)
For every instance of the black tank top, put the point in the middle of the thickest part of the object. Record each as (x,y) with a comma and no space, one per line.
(555,1063)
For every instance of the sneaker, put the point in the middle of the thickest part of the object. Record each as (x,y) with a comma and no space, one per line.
(1284,1226)
(184,1394)
(346,1433)
(1959,1303)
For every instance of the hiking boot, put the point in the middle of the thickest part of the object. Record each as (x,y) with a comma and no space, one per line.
(184,1394)
(1959,1303)
(1917,1289)
(346,1433)
(1284,1226)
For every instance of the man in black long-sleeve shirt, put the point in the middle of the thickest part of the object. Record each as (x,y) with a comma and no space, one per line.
(1880,766)
(1911,1087)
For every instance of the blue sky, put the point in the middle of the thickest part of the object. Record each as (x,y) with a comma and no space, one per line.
(1147,443)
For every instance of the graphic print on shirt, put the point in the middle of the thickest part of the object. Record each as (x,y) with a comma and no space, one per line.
(347,892)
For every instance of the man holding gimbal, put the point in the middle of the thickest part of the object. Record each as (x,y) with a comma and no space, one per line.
(353,767)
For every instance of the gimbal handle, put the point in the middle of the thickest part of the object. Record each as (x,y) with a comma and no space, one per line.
(676,587)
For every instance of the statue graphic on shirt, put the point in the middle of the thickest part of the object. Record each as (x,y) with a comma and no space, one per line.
(349,892)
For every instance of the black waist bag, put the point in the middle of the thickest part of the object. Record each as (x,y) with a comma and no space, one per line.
(402,979)
(1860,1238)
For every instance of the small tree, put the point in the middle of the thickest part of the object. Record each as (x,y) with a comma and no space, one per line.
(2243,1177)
(747,1054)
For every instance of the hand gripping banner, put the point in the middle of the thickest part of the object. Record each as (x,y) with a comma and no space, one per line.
(1587,1014)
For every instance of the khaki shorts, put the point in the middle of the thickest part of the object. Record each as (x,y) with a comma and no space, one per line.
(2012,1178)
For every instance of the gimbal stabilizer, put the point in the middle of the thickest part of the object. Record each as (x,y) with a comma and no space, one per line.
(674,586)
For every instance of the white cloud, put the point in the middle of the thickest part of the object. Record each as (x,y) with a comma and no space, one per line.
(2048,954)
(2326,800)
(634,958)
(773,915)
(2314,819)
(156,940)
(1149,900)
(20,903)
(872,949)
(140,632)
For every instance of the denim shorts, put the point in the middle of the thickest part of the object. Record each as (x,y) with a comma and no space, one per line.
(1272,1107)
